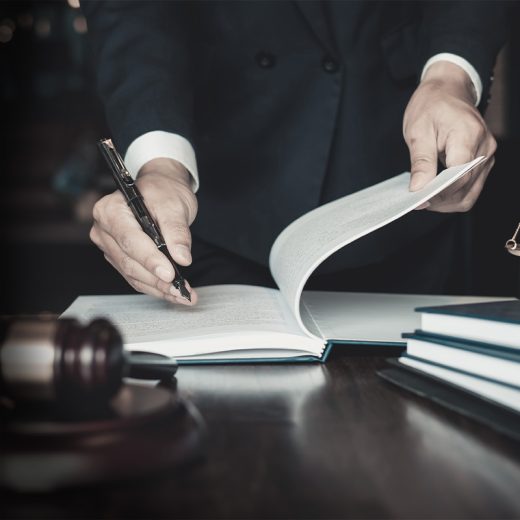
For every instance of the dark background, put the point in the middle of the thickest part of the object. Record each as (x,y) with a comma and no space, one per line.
(51,174)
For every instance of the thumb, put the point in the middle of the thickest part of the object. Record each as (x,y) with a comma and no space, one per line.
(165,186)
(178,240)
(423,159)
(176,232)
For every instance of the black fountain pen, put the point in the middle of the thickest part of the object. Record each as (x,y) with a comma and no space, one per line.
(134,199)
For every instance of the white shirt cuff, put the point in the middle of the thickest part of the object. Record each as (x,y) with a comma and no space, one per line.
(153,145)
(463,64)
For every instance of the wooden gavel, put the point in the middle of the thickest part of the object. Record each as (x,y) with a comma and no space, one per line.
(60,361)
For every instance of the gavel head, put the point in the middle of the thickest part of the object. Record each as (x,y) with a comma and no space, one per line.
(60,360)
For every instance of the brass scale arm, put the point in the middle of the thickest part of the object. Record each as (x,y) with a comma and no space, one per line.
(512,245)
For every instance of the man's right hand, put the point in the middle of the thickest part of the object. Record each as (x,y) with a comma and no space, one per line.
(165,186)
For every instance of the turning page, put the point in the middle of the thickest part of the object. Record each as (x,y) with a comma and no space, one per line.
(311,239)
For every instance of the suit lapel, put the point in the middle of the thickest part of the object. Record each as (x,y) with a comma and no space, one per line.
(314,15)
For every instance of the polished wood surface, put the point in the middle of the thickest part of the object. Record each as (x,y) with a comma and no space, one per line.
(314,441)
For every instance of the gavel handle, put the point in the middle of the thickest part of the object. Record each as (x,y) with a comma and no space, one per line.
(150,366)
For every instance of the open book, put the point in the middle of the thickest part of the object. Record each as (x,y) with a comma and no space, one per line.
(243,323)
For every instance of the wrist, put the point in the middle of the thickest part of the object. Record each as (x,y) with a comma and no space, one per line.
(448,76)
(165,167)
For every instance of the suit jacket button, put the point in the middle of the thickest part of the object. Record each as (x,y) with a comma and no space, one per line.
(266,60)
(329,65)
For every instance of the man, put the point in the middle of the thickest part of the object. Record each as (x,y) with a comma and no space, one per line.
(277,107)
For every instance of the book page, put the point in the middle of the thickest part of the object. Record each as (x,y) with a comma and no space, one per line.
(226,318)
(371,317)
(311,239)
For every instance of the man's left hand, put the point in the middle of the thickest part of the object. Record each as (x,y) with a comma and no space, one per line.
(442,123)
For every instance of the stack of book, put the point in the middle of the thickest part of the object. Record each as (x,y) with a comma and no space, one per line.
(473,349)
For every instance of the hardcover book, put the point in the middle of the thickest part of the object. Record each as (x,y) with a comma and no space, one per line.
(497,323)
(472,347)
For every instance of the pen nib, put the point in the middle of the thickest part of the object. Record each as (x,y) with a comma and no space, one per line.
(180,285)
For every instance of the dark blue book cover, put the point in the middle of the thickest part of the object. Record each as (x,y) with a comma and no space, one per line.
(507,311)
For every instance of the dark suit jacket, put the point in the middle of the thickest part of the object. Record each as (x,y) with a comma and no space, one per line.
(288,104)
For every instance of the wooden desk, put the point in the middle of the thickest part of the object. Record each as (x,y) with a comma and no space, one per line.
(315,441)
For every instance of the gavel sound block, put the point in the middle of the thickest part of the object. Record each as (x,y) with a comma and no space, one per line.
(67,419)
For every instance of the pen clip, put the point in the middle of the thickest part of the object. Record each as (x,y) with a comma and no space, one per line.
(116,161)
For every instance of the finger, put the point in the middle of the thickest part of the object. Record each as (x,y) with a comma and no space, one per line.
(174,218)
(463,141)
(423,158)
(454,198)
(464,199)
(135,244)
(424,205)
(466,142)
(175,229)
(131,269)
(178,241)
(452,195)
(462,148)
(145,288)
(152,291)
(113,217)
(129,244)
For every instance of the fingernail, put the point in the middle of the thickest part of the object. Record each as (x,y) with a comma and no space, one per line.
(163,273)
(183,253)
